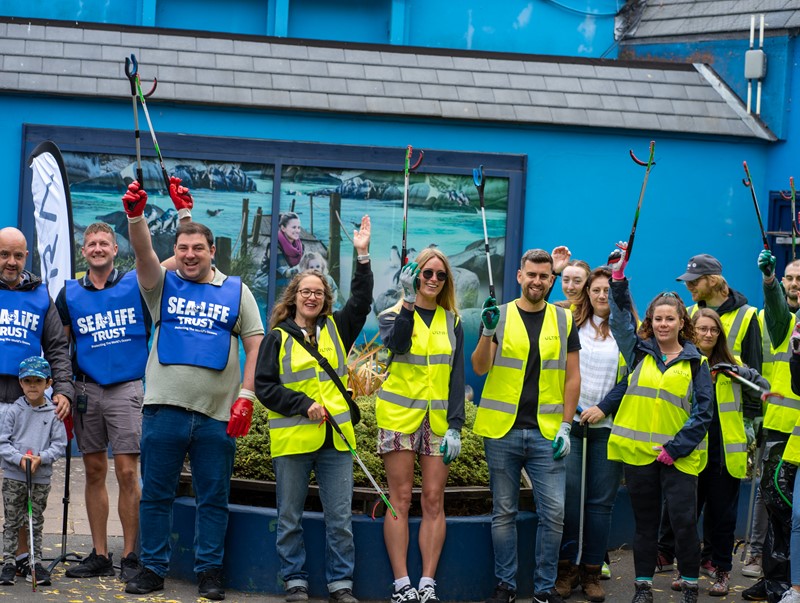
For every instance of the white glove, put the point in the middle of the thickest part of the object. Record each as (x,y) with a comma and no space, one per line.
(408,279)
(561,443)
(451,445)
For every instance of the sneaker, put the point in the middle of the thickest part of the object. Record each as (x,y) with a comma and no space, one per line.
(129,567)
(297,593)
(663,564)
(707,568)
(23,566)
(146,581)
(343,595)
(790,596)
(757,592)
(91,566)
(690,592)
(8,575)
(677,582)
(752,568)
(720,587)
(426,593)
(42,575)
(503,593)
(407,594)
(567,579)
(547,597)
(605,572)
(643,594)
(209,584)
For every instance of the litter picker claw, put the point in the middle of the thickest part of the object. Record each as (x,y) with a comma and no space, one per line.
(790,196)
(480,184)
(409,167)
(648,165)
(748,182)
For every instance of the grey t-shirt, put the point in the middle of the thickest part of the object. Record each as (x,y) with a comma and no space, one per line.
(195,388)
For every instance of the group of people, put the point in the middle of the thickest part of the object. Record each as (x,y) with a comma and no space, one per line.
(577,394)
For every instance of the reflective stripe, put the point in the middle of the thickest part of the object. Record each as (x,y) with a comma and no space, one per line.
(499,359)
(512,363)
(796,430)
(728,407)
(551,409)
(450,318)
(561,323)
(440,358)
(499,406)
(552,364)
(288,375)
(413,359)
(781,356)
(403,401)
(342,417)
(438,404)
(736,447)
(675,400)
(787,402)
(640,390)
(736,325)
(631,434)
(295,421)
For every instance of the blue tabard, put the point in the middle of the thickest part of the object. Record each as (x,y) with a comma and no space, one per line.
(22,316)
(109,330)
(197,320)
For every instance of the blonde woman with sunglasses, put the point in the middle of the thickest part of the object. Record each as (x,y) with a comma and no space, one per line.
(420,412)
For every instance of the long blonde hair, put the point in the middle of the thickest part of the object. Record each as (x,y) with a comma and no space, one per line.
(286,306)
(447,296)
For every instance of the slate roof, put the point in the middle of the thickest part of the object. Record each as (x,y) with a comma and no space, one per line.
(664,18)
(279,74)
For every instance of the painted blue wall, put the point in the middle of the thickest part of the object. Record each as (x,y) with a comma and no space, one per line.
(553,27)
(581,185)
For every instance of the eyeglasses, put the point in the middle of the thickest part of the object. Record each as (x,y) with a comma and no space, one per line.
(704,330)
(441,275)
(315,293)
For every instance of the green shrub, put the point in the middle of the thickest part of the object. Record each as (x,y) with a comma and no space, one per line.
(253,460)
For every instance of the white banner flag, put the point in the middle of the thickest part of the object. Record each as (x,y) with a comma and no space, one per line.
(52,215)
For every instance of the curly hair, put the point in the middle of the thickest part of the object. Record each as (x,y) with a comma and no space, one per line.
(286,306)
(668,298)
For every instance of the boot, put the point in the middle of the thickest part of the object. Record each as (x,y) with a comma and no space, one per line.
(567,579)
(590,583)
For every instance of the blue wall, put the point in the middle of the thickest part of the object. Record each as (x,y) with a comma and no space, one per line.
(553,27)
(581,185)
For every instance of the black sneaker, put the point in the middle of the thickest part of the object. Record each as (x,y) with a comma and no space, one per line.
(210,584)
(427,594)
(91,566)
(129,567)
(343,595)
(42,575)
(23,566)
(503,593)
(8,575)
(146,581)
(757,592)
(407,594)
(297,593)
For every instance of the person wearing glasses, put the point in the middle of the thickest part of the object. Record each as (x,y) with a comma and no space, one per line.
(661,417)
(300,395)
(420,412)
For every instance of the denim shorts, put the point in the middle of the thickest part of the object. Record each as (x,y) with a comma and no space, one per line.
(423,441)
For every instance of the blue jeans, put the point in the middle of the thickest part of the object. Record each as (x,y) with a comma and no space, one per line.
(506,457)
(168,434)
(603,478)
(334,472)
(794,542)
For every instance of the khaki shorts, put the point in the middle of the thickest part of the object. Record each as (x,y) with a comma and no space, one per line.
(113,416)
(423,441)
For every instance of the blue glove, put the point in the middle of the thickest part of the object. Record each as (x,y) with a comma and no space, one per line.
(561,443)
(408,279)
(451,445)
(490,316)
(749,431)
(766,263)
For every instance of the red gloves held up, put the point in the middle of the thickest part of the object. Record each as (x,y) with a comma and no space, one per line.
(180,195)
(134,200)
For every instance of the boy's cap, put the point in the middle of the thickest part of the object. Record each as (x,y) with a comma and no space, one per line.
(700,265)
(35,366)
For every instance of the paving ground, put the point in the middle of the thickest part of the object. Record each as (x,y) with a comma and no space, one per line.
(111,590)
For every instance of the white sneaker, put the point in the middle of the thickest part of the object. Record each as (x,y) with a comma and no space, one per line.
(752,567)
(428,594)
(790,596)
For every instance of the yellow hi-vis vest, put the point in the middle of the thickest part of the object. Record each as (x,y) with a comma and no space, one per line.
(729,410)
(780,414)
(300,371)
(791,453)
(654,409)
(419,380)
(500,399)
(735,324)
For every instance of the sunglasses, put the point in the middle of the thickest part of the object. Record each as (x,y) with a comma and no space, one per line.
(441,275)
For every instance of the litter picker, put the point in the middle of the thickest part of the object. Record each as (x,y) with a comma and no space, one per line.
(329,418)
(582,515)
(409,167)
(480,183)
(64,556)
(791,197)
(132,72)
(748,182)
(29,484)
(142,100)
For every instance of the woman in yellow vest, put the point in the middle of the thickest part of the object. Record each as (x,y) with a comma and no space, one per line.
(659,429)
(729,435)
(299,395)
(420,412)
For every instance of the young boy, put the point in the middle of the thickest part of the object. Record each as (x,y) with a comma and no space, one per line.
(30,430)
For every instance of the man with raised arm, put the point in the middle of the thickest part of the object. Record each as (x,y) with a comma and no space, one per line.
(197,400)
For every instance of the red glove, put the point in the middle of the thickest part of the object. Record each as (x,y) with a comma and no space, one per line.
(180,195)
(69,426)
(665,458)
(241,414)
(134,200)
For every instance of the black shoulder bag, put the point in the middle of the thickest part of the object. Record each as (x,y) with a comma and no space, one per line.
(355,411)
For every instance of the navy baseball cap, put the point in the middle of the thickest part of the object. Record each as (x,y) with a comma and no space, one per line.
(700,265)
(35,366)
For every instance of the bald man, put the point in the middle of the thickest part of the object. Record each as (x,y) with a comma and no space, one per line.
(29,326)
